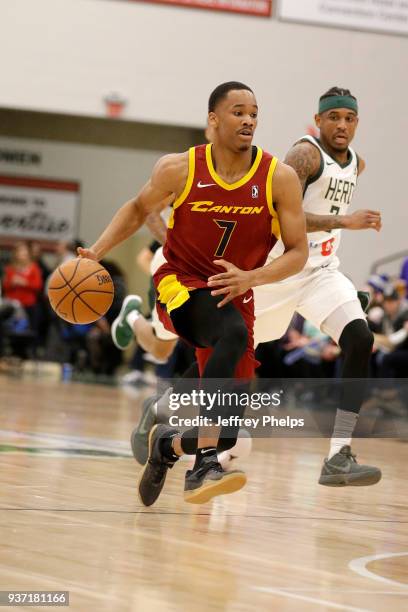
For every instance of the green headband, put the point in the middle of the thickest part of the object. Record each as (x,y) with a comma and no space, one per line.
(338,102)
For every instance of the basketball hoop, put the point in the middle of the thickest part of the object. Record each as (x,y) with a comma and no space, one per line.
(114,105)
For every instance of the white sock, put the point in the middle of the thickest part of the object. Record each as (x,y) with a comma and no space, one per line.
(132,317)
(336,444)
(343,430)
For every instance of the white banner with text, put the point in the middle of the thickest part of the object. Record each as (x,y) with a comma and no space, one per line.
(388,16)
(38,209)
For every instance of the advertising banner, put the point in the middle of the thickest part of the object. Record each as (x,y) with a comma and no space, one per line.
(388,16)
(38,209)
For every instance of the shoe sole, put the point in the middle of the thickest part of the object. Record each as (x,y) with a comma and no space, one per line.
(116,321)
(153,429)
(364,479)
(139,441)
(228,484)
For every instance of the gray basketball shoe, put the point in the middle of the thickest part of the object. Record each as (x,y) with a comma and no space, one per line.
(155,410)
(342,470)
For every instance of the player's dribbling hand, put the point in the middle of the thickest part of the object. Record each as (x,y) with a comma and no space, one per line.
(233,282)
(87,253)
(364,219)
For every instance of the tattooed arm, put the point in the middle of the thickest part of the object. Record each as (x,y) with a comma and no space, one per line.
(305,160)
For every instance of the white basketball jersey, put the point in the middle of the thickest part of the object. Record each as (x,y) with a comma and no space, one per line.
(329,193)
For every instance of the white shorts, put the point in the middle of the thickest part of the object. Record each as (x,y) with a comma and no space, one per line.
(159,329)
(314,294)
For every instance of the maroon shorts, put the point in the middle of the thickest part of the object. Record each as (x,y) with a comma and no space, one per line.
(244,303)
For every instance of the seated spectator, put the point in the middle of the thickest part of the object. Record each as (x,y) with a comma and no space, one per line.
(13,324)
(404,274)
(65,251)
(22,282)
(390,316)
(104,357)
(37,256)
(390,327)
(44,315)
(376,285)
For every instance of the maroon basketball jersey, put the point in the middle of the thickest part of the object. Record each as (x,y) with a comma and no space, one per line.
(213,219)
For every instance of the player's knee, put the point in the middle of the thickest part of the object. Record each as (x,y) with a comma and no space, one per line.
(357,338)
(237,334)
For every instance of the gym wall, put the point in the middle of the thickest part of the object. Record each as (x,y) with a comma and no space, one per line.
(65,56)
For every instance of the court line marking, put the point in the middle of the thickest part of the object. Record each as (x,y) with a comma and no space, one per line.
(359,567)
(248,557)
(315,600)
(154,513)
(68,440)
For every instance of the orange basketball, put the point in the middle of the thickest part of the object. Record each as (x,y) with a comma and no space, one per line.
(80,291)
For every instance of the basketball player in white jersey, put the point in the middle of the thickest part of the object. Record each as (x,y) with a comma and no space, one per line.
(328,169)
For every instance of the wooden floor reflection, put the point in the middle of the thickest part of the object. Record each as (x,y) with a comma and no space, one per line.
(70,518)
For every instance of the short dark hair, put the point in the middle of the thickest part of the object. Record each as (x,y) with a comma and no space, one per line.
(391,293)
(222,90)
(337,91)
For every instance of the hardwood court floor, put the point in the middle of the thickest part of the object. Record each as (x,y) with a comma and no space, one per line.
(70,518)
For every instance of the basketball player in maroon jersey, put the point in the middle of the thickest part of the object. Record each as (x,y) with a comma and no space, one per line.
(231,203)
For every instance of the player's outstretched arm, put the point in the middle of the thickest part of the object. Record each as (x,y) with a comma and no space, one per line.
(358,220)
(305,159)
(166,183)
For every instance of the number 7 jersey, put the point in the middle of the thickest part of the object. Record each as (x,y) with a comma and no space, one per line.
(212,220)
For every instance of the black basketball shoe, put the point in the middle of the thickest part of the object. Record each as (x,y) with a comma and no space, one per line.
(153,476)
(209,480)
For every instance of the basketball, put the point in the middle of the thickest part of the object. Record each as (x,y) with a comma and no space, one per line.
(80,291)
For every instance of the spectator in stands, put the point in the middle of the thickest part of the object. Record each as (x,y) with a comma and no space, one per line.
(391,335)
(391,349)
(22,282)
(404,273)
(104,357)
(44,313)
(37,256)
(66,251)
(376,285)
